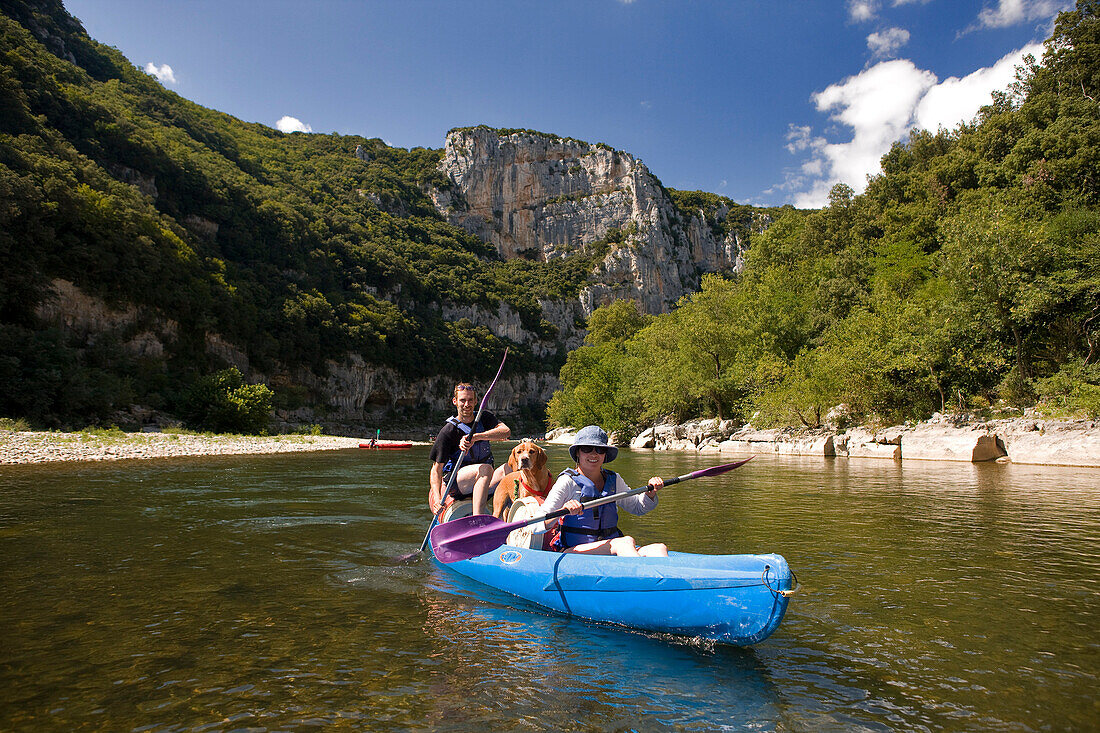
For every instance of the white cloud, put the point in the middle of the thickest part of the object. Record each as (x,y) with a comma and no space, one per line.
(879,107)
(1014,12)
(800,138)
(957,100)
(291,124)
(814,167)
(163,73)
(646,104)
(860,11)
(884,44)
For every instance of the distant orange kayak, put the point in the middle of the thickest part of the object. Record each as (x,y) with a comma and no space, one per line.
(386,446)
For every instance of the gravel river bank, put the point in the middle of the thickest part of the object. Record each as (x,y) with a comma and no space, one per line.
(43,447)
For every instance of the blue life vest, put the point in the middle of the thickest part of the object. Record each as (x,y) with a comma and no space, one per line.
(595,523)
(480,451)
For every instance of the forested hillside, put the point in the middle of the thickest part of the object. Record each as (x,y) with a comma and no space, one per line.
(295,249)
(966,277)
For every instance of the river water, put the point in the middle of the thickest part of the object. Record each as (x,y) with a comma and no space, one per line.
(257,593)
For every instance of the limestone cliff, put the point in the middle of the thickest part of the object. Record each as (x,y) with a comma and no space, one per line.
(544,197)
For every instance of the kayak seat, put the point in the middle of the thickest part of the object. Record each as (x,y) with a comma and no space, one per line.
(457,510)
(522,509)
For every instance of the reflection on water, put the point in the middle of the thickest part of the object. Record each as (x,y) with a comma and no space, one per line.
(552,671)
(257,593)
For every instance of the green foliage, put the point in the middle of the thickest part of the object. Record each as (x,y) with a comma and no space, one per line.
(223,403)
(722,214)
(51,383)
(112,431)
(967,274)
(615,323)
(599,380)
(595,391)
(505,131)
(1074,390)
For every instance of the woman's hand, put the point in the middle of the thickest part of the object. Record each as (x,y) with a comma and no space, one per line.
(574,507)
(654,483)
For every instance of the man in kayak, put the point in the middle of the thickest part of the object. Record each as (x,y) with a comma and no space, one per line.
(461,434)
(594,531)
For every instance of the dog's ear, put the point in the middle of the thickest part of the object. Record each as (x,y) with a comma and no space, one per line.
(512,462)
(540,459)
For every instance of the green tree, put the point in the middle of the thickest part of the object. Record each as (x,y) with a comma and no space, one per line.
(615,323)
(805,390)
(1009,278)
(592,390)
(224,403)
(697,359)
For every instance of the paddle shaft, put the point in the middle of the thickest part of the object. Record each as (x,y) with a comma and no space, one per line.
(462,456)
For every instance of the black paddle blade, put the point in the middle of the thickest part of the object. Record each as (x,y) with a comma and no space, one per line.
(461,539)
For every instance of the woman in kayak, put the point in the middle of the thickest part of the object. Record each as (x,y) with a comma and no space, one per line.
(594,531)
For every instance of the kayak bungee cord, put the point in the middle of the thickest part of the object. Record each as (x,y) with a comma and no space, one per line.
(776,591)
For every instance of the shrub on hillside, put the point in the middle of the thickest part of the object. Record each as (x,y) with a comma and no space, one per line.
(223,403)
(1074,389)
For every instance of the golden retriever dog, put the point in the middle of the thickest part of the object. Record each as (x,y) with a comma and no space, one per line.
(527,476)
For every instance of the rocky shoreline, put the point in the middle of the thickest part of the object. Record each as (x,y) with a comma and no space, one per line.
(1018,440)
(18,447)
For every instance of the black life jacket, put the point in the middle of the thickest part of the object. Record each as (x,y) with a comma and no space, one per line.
(480,452)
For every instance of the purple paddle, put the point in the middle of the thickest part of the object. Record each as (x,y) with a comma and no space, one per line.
(461,539)
(454,472)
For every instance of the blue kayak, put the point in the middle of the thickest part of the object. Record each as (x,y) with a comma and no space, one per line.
(732,599)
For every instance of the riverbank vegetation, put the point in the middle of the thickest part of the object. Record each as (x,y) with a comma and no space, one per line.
(965,277)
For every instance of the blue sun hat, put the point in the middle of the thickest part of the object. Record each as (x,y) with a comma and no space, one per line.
(593,435)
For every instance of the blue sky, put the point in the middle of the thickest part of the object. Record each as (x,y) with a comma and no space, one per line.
(764,101)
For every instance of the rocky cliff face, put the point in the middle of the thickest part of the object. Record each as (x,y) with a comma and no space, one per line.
(544,197)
